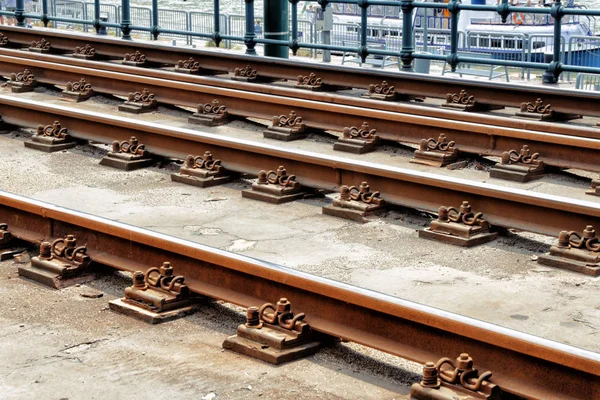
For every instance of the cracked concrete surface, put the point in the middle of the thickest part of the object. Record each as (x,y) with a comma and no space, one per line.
(498,282)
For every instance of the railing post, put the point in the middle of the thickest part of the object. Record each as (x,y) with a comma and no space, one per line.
(406,53)
(19,11)
(294,41)
(44,18)
(363,51)
(453,56)
(552,74)
(125,20)
(249,35)
(217,23)
(154,27)
(97,16)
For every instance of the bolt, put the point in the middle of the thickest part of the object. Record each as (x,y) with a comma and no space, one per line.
(70,241)
(253,318)
(505,158)
(464,362)
(465,207)
(443,214)
(423,145)
(364,187)
(345,193)
(208,155)
(139,280)
(46,250)
(283,305)
(166,269)
(262,177)
(589,232)
(133,141)
(116,147)
(563,239)
(189,161)
(525,150)
(442,138)
(430,376)
(281,171)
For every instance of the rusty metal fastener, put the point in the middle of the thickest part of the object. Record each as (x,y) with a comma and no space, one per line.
(361,193)
(26,76)
(145,97)
(364,132)
(461,372)
(131,146)
(536,107)
(41,44)
(522,156)
(253,318)
(135,57)
(441,144)
(586,240)
(203,162)
(80,86)
(462,98)
(310,80)
(190,64)
(85,50)
(430,376)
(212,108)
(384,89)
(463,215)
(290,121)
(54,130)
(246,72)
(281,314)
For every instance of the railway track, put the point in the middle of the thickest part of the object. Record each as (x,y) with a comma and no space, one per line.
(502,206)
(560,145)
(522,364)
(563,100)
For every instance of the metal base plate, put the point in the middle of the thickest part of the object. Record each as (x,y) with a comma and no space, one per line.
(515,176)
(49,148)
(269,198)
(148,316)
(286,137)
(21,89)
(126,165)
(348,213)
(431,160)
(475,240)
(75,97)
(200,182)
(554,116)
(472,107)
(592,192)
(52,279)
(136,109)
(572,265)
(207,121)
(270,354)
(354,148)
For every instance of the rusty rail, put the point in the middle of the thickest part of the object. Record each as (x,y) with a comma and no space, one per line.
(563,100)
(522,364)
(478,134)
(502,206)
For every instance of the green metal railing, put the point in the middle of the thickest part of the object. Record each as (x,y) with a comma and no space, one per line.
(407,53)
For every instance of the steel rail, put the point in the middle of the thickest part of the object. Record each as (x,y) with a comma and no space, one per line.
(502,206)
(417,109)
(521,364)
(556,149)
(498,93)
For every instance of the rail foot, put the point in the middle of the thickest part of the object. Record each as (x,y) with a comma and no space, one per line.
(358,140)
(210,114)
(51,138)
(459,380)
(156,296)
(140,102)
(128,155)
(436,153)
(202,171)
(539,111)
(356,203)
(22,82)
(274,334)
(60,264)
(459,227)
(77,91)
(275,187)
(286,127)
(575,252)
(521,166)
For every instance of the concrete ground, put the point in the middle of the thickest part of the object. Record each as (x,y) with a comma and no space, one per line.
(498,282)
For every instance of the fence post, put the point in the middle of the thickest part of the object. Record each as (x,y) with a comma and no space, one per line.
(249,35)
(125,20)
(96,23)
(453,56)
(44,18)
(294,42)
(19,11)
(363,51)
(154,22)
(406,53)
(554,69)
(217,23)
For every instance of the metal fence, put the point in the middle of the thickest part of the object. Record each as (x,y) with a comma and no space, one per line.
(583,50)
(551,56)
